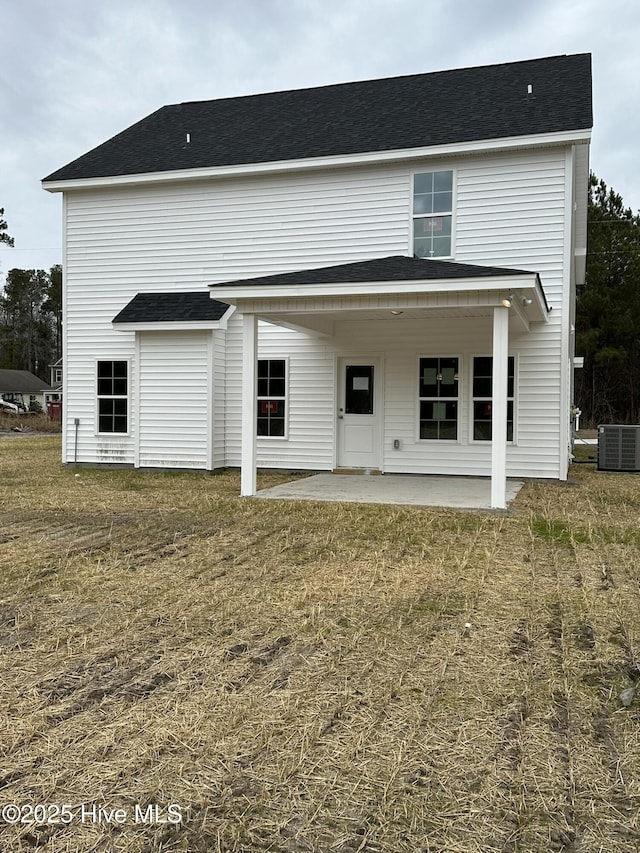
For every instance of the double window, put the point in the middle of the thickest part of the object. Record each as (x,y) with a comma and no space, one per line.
(272,397)
(113,396)
(438,394)
(432,214)
(483,394)
(439,398)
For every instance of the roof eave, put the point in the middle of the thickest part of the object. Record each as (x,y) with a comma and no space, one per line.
(526,284)
(568,137)
(174,325)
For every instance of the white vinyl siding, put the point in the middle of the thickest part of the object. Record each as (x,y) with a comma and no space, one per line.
(179,235)
(310,389)
(536,451)
(123,241)
(400,343)
(219,398)
(175,386)
(509,211)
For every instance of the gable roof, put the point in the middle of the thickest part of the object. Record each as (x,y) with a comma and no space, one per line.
(371,116)
(171,308)
(21,382)
(390,277)
(389,269)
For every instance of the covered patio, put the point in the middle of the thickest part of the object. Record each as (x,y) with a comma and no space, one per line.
(401,489)
(312,300)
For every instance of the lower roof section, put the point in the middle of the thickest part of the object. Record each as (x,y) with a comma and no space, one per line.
(186,310)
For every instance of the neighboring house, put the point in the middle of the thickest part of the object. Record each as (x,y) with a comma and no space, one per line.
(53,399)
(55,372)
(392,263)
(23,389)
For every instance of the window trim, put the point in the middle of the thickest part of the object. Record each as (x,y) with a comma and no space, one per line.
(99,397)
(413,216)
(259,397)
(472,399)
(459,400)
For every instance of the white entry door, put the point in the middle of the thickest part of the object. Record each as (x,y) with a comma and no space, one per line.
(359,405)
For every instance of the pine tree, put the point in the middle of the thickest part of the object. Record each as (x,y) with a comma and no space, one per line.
(4,237)
(608,312)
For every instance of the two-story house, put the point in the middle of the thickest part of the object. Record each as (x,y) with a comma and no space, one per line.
(375,275)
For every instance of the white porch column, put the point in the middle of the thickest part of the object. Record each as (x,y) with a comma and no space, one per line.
(499,408)
(249,366)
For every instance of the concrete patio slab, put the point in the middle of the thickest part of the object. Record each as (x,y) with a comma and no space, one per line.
(408,489)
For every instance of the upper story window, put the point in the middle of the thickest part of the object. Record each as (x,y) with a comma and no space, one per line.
(432,214)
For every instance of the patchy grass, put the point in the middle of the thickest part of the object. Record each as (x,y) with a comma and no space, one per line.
(316,677)
(29,423)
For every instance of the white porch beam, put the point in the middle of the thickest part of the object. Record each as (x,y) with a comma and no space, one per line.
(316,326)
(499,408)
(248,481)
(518,310)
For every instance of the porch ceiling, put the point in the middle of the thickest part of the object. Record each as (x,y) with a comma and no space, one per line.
(395,314)
(323,325)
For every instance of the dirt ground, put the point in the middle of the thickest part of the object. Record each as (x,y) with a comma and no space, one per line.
(185,670)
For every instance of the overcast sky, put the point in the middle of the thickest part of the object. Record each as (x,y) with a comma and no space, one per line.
(76,72)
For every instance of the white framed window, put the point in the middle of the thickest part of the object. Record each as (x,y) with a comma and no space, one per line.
(272,398)
(438,396)
(112,385)
(433,214)
(482,391)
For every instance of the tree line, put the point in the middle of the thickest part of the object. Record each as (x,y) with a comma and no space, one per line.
(30,316)
(607,388)
(31,320)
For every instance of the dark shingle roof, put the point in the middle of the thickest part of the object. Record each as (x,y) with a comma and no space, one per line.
(395,268)
(21,382)
(463,105)
(171,307)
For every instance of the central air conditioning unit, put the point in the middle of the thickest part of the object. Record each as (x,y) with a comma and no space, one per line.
(619,447)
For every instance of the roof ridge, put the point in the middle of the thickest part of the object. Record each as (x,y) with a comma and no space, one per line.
(372,80)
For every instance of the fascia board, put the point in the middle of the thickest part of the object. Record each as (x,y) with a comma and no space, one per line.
(234,293)
(567,137)
(170,326)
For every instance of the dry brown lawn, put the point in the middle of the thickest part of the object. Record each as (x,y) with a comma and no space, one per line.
(311,677)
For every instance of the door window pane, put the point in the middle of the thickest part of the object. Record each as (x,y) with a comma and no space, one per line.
(358,389)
